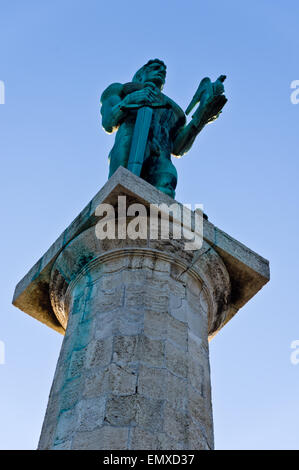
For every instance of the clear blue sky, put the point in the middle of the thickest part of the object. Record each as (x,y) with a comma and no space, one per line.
(56,57)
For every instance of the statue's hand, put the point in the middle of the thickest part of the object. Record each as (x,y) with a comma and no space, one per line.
(209,111)
(147,95)
(218,88)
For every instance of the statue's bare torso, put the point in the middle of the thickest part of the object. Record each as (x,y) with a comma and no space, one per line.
(167,119)
(168,132)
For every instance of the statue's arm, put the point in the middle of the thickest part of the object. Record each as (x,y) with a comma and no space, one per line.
(111,104)
(208,111)
(185,137)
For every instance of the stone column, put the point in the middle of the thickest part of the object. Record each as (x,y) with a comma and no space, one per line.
(133,371)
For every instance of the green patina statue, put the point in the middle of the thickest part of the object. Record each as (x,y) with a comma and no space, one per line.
(151,127)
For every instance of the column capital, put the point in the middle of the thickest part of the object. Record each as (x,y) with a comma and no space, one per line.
(86,258)
(248,272)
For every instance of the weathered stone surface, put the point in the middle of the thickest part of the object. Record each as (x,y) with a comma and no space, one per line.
(177,331)
(70,393)
(197,438)
(143,440)
(176,360)
(106,438)
(121,411)
(65,445)
(176,423)
(104,325)
(248,271)
(134,371)
(99,353)
(108,301)
(151,351)
(125,349)
(91,413)
(67,422)
(131,367)
(155,324)
(122,379)
(47,434)
(176,391)
(152,382)
(96,383)
(150,414)
(77,363)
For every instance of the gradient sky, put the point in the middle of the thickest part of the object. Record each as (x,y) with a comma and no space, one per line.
(56,57)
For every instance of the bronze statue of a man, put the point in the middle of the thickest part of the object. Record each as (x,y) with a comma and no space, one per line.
(164,130)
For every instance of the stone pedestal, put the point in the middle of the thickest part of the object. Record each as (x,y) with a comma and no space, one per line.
(133,371)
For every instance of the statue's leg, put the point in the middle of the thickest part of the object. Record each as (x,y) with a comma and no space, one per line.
(118,157)
(161,173)
(167,184)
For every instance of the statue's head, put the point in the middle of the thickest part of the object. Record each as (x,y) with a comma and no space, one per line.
(153,71)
